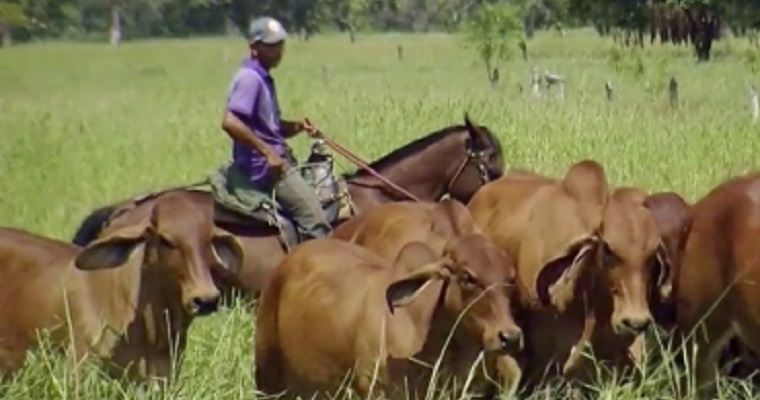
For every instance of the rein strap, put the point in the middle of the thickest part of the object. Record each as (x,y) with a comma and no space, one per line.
(361,164)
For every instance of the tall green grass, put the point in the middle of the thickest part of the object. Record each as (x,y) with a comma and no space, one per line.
(82,125)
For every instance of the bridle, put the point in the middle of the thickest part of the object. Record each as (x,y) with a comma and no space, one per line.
(471,156)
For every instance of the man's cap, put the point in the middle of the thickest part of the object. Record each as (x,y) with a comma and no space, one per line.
(266,30)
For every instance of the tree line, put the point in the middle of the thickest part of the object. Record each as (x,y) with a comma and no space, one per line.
(698,22)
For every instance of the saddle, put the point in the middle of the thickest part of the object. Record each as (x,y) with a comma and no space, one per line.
(239,204)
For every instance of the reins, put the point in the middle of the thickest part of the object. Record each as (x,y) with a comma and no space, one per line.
(362,164)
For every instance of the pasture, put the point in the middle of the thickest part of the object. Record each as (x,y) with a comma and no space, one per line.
(83,125)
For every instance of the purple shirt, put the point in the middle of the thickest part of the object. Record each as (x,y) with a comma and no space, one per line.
(253,99)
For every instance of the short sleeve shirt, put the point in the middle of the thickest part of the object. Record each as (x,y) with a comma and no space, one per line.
(252,97)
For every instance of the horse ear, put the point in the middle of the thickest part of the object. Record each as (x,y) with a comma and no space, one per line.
(467,120)
(476,138)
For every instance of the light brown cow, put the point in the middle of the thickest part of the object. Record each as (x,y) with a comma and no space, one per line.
(334,307)
(149,266)
(719,273)
(387,229)
(585,258)
(448,225)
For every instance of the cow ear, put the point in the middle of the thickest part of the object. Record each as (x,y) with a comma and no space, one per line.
(663,273)
(405,290)
(413,255)
(557,280)
(586,182)
(113,250)
(227,250)
(452,218)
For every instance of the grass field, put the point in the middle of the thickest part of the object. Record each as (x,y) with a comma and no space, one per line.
(82,125)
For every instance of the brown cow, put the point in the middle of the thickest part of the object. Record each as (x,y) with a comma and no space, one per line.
(147,265)
(585,258)
(334,307)
(386,229)
(671,212)
(720,267)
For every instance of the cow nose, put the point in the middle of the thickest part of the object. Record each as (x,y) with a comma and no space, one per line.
(511,340)
(204,305)
(636,325)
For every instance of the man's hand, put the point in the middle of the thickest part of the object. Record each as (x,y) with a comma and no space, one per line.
(293,128)
(276,166)
(310,129)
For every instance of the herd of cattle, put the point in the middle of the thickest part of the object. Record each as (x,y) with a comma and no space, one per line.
(515,286)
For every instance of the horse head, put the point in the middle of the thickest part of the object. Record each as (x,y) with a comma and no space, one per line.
(483,161)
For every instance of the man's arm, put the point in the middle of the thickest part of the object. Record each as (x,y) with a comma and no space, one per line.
(242,97)
(290,128)
(238,131)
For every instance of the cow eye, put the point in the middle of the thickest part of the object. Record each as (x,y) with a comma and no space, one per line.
(655,263)
(652,260)
(609,258)
(166,243)
(467,281)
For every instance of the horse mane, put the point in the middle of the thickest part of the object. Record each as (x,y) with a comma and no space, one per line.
(419,145)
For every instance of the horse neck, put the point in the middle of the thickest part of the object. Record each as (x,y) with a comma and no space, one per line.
(419,173)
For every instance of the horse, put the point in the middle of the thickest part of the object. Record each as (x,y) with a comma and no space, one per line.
(455,161)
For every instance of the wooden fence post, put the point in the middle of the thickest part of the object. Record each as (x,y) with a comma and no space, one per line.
(673,92)
(608,90)
(754,107)
(494,77)
(325,74)
(535,82)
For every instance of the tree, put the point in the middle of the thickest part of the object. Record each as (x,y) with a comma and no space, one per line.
(12,16)
(547,12)
(492,30)
(126,19)
(347,15)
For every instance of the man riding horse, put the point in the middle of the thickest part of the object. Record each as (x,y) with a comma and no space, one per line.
(262,162)
(271,204)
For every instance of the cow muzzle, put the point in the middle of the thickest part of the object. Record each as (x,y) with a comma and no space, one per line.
(633,326)
(508,341)
(201,305)
(511,341)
